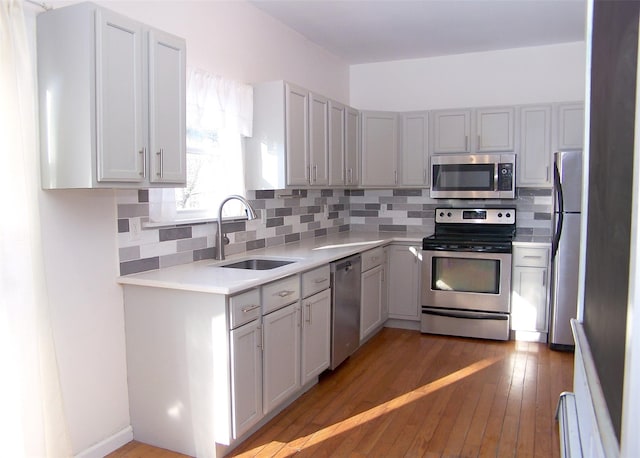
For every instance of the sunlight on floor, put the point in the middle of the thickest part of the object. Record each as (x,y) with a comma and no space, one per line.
(323,434)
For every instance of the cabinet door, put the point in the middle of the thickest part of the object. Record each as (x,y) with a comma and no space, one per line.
(337,159)
(246,377)
(297,135)
(570,127)
(529,299)
(167,108)
(352,147)
(534,157)
(372,294)
(120,133)
(281,357)
(379,149)
(495,129)
(319,139)
(404,282)
(451,130)
(415,155)
(316,334)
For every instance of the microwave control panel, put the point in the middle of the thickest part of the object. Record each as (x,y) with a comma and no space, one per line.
(505,176)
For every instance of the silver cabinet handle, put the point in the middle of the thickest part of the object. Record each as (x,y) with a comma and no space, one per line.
(160,162)
(466,142)
(321,280)
(250,308)
(424,176)
(143,151)
(315,173)
(284,293)
(350,176)
(547,173)
(308,320)
(261,339)
(395,176)
(530,256)
(479,141)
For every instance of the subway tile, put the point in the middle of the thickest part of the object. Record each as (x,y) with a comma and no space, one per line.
(123,225)
(176,259)
(284,230)
(139,265)
(205,253)
(419,214)
(143,195)
(364,213)
(392,227)
(292,237)
(333,215)
(271,222)
(407,192)
(542,216)
(314,209)
(306,218)
(266,194)
(326,192)
(275,241)
(190,245)
(234,226)
(235,248)
(288,211)
(314,225)
(243,236)
(372,206)
(158,249)
(255,244)
(175,233)
(129,253)
(132,210)
(320,232)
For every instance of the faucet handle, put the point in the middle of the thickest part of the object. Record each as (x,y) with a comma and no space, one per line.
(225,239)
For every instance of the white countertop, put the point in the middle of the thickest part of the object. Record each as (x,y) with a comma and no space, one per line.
(208,276)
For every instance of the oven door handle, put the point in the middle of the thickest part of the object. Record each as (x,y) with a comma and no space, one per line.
(463,314)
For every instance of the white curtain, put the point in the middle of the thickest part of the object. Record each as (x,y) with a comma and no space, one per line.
(32,422)
(215,102)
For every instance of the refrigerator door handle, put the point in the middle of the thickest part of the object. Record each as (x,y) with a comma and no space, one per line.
(559,211)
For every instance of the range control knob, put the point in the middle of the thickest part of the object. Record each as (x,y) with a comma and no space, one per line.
(499,215)
(508,215)
(441,214)
(449,214)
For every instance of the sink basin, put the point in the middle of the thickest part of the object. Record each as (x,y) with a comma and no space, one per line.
(258,264)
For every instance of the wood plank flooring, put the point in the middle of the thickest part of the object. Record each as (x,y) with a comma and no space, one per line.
(406,394)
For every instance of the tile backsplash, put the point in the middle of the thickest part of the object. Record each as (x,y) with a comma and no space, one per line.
(293,215)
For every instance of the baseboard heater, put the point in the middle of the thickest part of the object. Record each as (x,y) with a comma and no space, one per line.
(567,416)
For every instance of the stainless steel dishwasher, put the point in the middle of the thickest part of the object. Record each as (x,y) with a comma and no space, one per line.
(345,308)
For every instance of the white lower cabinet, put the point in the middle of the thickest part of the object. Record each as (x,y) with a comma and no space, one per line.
(246,377)
(529,297)
(405,269)
(372,292)
(281,357)
(316,335)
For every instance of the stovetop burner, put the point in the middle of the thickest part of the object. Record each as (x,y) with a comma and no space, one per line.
(472,229)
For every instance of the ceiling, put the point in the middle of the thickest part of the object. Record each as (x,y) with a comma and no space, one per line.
(363,31)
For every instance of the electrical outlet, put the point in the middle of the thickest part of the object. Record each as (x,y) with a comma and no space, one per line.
(134,229)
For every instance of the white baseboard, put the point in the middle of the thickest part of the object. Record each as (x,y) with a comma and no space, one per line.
(402,324)
(108,445)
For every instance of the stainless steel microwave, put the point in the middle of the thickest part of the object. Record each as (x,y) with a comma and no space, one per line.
(473,176)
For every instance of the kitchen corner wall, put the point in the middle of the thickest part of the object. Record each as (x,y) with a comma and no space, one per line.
(299,215)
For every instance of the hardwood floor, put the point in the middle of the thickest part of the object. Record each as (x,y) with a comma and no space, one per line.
(406,394)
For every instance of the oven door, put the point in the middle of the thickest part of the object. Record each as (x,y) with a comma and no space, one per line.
(466,280)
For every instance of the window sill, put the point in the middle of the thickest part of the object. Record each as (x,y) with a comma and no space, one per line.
(189,222)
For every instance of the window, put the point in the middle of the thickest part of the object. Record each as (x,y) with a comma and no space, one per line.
(219,114)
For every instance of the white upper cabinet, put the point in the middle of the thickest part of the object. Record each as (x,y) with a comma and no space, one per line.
(318,140)
(296,113)
(379,148)
(337,143)
(495,129)
(534,155)
(290,143)
(570,127)
(415,149)
(352,147)
(112,101)
(451,131)
(473,130)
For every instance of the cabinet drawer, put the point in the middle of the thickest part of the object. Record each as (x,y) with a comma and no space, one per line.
(531,257)
(372,258)
(315,280)
(244,307)
(280,293)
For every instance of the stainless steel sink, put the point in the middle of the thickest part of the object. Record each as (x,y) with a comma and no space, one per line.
(258,264)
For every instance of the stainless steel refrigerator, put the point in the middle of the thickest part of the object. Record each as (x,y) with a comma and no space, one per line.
(567,202)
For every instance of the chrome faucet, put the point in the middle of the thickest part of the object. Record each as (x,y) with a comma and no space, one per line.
(251,214)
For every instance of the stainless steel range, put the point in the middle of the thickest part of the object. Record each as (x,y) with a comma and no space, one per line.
(466,273)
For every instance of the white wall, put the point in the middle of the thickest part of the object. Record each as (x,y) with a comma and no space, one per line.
(514,76)
(231,39)
(238,41)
